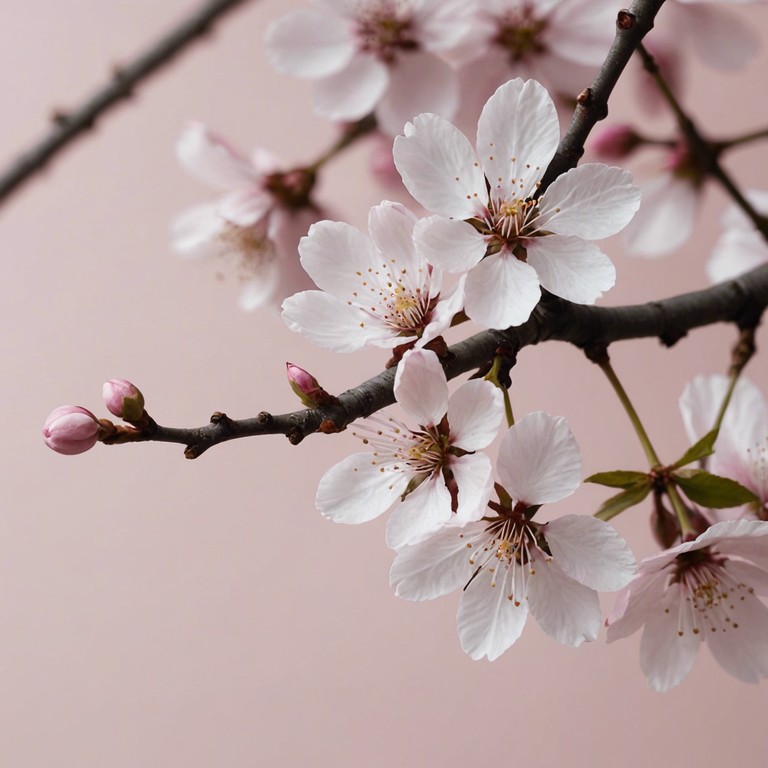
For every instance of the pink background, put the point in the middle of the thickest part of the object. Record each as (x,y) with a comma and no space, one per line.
(162,612)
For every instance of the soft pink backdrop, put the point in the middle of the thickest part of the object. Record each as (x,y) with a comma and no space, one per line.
(161,612)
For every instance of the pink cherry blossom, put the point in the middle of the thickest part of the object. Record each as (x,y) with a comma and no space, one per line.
(123,399)
(378,56)
(71,429)
(253,220)
(700,591)
(431,473)
(490,222)
(375,290)
(509,565)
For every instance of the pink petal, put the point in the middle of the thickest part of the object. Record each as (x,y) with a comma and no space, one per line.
(451,244)
(635,604)
(475,411)
(421,387)
(353,92)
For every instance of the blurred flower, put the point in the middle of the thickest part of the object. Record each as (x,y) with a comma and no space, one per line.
(490,221)
(70,429)
(614,142)
(509,564)
(433,469)
(702,590)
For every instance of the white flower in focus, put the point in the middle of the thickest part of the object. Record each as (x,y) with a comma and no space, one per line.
(374,56)
(741,247)
(430,473)
(702,590)
(741,449)
(509,565)
(489,221)
(374,290)
(250,221)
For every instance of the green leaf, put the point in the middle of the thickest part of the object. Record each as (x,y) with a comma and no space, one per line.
(700,449)
(620,478)
(622,501)
(711,490)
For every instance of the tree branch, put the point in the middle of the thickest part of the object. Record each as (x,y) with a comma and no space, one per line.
(68,126)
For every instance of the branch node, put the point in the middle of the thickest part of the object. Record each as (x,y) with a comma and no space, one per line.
(330,427)
(597,352)
(192,452)
(264,418)
(222,420)
(584,97)
(295,435)
(625,20)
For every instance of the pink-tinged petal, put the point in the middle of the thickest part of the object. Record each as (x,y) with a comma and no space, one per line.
(213,160)
(352,93)
(422,513)
(357,489)
(421,387)
(735,253)
(572,268)
(539,460)
(245,207)
(451,244)
(665,219)
(700,404)
(752,577)
(451,302)
(582,30)
(634,604)
(666,656)
(310,44)
(443,24)
(418,82)
(501,291)
(286,228)
(591,552)
(391,227)
(517,135)
(567,611)
(592,201)
(721,39)
(433,568)
(257,291)
(475,411)
(198,232)
(440,169)
(331,323)
(337,257)
(741,538)
(489,621)
(473,474)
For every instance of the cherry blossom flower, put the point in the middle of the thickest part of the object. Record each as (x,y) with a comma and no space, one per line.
(489,220)
(702,590)
(741,448)
(431,474)
(375,290)
(509,564)
(259,219)
(740,247)
(376,56)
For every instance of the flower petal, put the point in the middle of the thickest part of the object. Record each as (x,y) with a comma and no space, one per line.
(421,387)
(451,244)
(722,39)
(391,227)
(634,604)
(258,290)
(475,410)
(197,232)
(473,474)
(422,513)
(353,92)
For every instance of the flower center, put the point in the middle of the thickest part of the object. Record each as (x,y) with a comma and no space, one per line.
(507,221)
(383,33)
(520,33)
(251,244)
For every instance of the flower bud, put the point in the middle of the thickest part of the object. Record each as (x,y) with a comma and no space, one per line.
(70,429)
(615,142)
(123,399)
(307,387)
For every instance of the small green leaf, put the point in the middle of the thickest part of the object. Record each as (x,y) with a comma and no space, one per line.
(711,490)
(622,501)
(700,449)
(620,478)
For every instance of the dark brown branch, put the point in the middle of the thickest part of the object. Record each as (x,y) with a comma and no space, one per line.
(69,125)
(741,301)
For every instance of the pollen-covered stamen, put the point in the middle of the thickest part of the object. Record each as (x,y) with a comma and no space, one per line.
(521,33)
(385,30)
(252,245)
(507,221)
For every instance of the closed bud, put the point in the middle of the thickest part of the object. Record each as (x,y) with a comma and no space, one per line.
(307,387)
(70,429)
(615,142)
(123,399)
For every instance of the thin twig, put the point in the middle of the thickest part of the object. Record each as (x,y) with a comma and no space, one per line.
(68,126)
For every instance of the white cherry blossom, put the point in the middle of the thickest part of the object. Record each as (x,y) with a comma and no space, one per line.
(378,56)
(431,473)
(375,290)
(508,564)
(488,218)
(700,591)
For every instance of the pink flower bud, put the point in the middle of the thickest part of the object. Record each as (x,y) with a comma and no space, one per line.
(70,429)
(123,399)
(615,142)
(304,384)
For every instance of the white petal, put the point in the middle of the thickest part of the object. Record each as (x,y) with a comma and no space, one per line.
(475,411)
(245,207)
(501,291)
(722,39)
(197,232)
(735,253)
(258,290)
(451,244)
(750,575)
(488,621)
(422,513)
(665,219)
(583,30)
(352,93)
(592,201)
(572,268)
(440,169)
(539,460)
(449,305)
(421,387)
(433,568)
(700,403)
(310,44)
(517,135)
(591,552)
(419,82)
(635,604)
(474,477)
(567,611)
(391,227)
(356,490)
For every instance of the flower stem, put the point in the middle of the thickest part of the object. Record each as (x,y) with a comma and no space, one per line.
(493,377)
(741,355)
(680,511)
